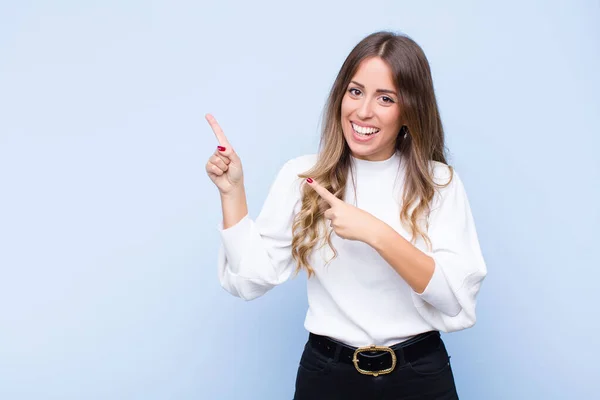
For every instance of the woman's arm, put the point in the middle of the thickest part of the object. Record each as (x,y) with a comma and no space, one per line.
(255,254)
(449,300)
(234,207)
(414,266)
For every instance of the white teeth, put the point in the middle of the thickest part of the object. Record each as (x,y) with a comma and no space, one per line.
(364,131)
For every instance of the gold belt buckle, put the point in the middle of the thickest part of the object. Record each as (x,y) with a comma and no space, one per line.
(374,348)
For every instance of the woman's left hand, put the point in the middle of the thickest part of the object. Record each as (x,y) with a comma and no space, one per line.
(347,221)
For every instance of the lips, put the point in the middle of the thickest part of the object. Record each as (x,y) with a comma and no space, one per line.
(362,134)
(364,130)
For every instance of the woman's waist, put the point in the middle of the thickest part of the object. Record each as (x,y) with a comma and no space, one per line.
(366,327)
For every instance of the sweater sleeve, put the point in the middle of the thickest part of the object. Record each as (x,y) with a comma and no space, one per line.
(255,255)
(448,302)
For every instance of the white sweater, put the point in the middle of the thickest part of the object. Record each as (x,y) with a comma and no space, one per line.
(358,298)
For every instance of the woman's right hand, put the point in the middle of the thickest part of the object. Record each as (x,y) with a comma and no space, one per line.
(224,167)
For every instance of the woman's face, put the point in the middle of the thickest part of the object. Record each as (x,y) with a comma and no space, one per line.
(371,111)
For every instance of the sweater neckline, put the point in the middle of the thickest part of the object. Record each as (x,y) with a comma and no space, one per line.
(359,163)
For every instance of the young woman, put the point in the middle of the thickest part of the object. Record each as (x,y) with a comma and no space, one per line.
(379,222)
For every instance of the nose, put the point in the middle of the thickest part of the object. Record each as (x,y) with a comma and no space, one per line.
(365,110)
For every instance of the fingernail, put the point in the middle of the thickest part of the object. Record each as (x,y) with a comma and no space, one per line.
(309,180)
(221,148)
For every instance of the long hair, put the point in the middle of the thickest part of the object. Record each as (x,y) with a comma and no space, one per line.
(420,140)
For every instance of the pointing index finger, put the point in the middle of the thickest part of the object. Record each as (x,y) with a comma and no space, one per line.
(324,193)
(221,138)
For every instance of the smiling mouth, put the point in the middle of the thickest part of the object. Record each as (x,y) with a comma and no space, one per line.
(362,131)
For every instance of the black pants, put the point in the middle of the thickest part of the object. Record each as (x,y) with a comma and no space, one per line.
(322,378)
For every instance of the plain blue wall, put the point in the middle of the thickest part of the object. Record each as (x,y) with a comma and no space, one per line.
(108,283)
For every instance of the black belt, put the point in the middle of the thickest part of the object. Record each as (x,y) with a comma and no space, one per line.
(377,360)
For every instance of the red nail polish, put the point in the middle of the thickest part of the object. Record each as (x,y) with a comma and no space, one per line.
(221,148)
(309,180)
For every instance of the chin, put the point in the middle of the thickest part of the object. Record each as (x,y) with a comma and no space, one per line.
(360,151)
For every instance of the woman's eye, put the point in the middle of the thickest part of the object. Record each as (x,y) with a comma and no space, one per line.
(387,99)
(354,92)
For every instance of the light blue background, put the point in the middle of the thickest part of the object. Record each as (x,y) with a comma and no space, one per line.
(108,283)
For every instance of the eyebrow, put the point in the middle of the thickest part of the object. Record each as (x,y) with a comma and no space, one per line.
(377,91)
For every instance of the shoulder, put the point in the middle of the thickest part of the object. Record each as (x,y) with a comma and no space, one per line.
(302,163)
(450,188)
(298,165)
(288,178)
(444,175)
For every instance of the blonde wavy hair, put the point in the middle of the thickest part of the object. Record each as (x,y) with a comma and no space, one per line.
(420,140)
